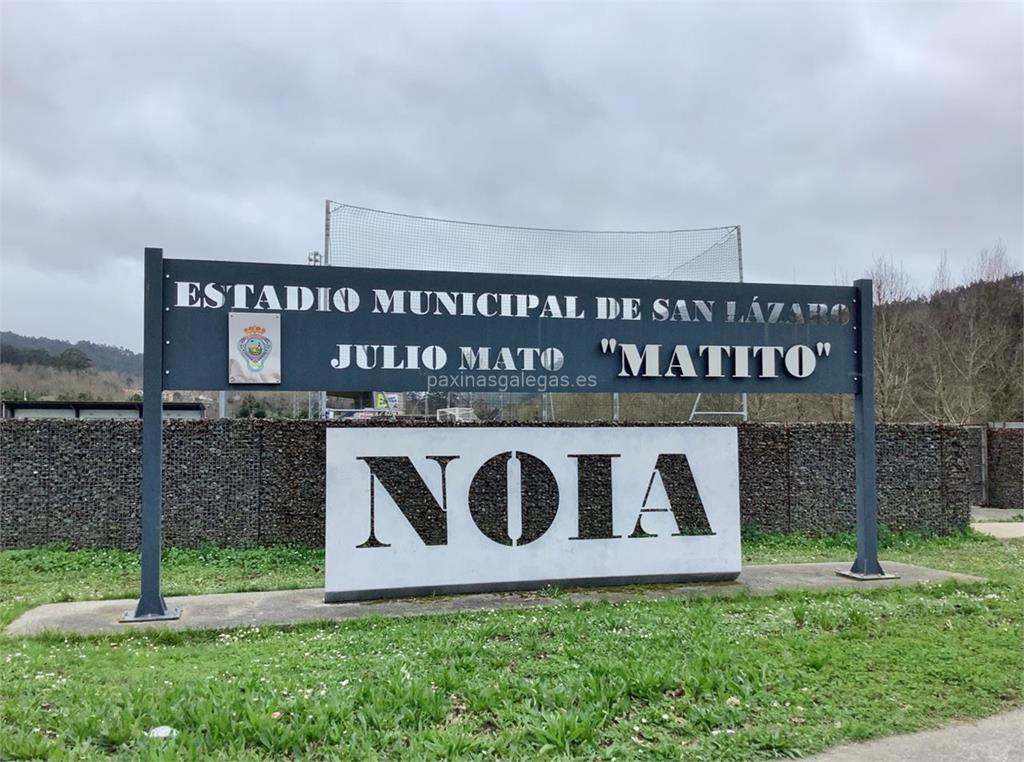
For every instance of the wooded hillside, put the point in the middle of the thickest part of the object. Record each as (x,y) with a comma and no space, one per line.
(41,382)
(954,354)
(103,356)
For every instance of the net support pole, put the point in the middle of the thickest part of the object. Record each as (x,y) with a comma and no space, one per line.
(151,605)
(321,397)
(327,232)
(866,566)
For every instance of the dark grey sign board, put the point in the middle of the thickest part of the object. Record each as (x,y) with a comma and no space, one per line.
(401,330)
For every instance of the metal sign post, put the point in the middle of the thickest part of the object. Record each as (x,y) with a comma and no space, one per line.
(866,565)
(151,605)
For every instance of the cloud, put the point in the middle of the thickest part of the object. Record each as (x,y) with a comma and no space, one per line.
(831,132)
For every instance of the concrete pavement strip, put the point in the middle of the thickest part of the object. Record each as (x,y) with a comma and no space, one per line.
(994,739)
(979,513)
(282,607)
(1004,530)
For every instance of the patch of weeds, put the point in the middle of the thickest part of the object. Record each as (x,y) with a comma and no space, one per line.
(552,591)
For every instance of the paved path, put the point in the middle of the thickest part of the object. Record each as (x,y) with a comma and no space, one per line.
(292,606)
(979,513)
(995,739)
(1004,530)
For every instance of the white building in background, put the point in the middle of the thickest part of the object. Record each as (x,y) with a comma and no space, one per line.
(95,410)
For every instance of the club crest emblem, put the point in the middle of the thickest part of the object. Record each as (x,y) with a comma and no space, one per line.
(255,347)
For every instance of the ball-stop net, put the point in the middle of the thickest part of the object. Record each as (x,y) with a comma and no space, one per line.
(359,237)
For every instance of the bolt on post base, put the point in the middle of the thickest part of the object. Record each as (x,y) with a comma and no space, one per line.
(865,577)
(132,616)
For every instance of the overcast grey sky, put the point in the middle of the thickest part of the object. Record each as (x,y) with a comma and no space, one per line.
(832,132)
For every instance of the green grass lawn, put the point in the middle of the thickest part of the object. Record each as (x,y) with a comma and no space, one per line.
(736,678)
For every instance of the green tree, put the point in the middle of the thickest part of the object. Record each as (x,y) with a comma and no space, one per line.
(74,359)
(251,407)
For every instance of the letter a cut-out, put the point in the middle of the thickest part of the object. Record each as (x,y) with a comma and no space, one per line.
(684,501)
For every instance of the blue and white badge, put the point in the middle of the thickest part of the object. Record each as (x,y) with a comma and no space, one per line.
(254,348)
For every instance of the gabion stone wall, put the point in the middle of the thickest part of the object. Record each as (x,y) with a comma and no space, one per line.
(975,464)
(1006,468)
(249,483)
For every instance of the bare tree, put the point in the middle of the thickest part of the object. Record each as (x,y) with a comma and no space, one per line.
(989,266)
(894,294)
(942,280)
(970,352)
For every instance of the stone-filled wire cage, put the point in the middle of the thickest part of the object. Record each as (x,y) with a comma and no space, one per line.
(359,237)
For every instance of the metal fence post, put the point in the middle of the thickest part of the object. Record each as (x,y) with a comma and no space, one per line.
(151,605)
(984,464)
(866,566)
